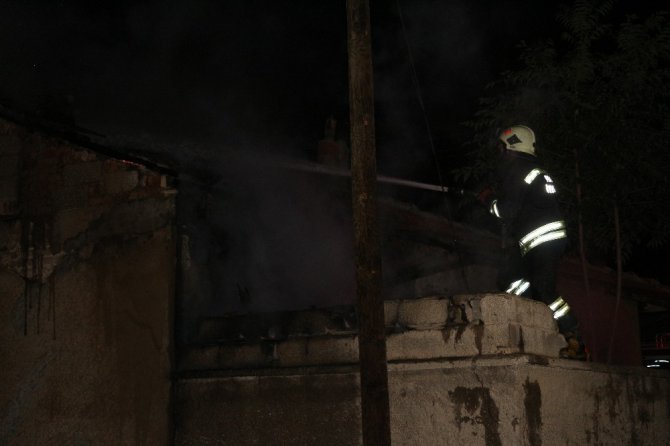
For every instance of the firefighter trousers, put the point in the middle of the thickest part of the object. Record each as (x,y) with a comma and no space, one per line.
(538,269)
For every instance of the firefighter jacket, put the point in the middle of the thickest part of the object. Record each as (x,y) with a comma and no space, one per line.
(525,200)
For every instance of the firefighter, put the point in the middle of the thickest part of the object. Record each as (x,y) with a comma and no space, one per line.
(525,201)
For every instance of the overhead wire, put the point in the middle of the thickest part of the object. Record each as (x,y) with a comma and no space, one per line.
(419,94)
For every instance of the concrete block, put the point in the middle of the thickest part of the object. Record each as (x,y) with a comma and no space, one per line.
(295,352)
(317,350)
(426,313)
(469,309)
(501,308)
(533,313)
(541,342)
(315,322)
(490,325)
(464,341)
(510,338)
(278,325)
(497,309)
(500,339)
(454,342)
(224,357)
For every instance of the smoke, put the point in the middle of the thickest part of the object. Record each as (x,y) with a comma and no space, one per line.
(255,74)
(265,238)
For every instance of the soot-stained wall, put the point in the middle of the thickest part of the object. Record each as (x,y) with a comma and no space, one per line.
(87,267)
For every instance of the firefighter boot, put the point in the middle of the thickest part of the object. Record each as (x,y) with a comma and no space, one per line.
(575,349)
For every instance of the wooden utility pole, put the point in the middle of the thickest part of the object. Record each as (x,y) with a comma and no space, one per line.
(371,337)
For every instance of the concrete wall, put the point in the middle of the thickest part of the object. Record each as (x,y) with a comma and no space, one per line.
(472,370)
(521,400)
(300,409)
(86,290)
(528,401)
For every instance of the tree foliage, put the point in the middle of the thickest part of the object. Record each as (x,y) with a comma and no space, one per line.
(598,99)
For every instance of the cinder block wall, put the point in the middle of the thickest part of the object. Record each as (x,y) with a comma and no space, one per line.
(86,289)
(472,370)
(513,400)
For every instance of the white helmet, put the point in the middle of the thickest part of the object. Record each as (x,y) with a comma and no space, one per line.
(518,138)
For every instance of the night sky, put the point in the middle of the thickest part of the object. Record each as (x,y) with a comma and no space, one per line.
(264,76)
(260,74)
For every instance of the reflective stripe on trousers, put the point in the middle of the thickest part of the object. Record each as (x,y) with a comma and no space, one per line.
(559,307)
(518,287)
(551,231)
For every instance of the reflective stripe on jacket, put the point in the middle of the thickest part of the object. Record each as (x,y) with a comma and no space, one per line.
(526,201)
